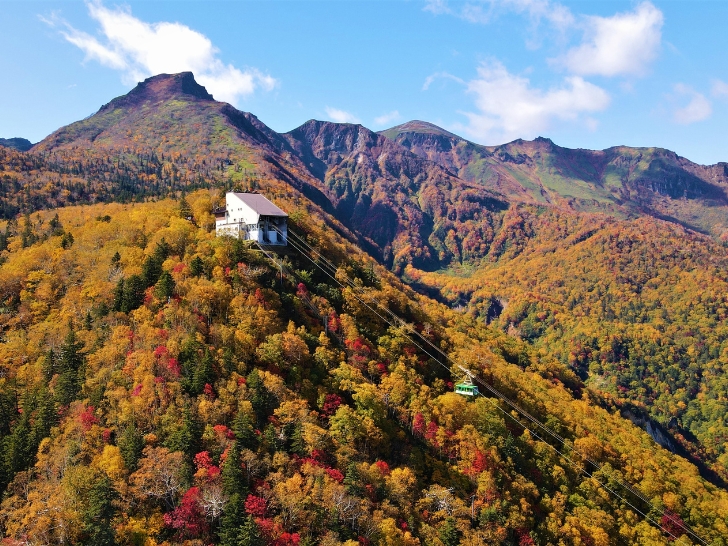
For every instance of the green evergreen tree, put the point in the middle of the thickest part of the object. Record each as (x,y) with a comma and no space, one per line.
(49,365)
(17,449)
(232,520)
(67,241)
(352,480)
(54,226)
(185,211)
(238,251)
(233,480)
(197,266)
(244,431)
(204,373)
(100,511)
(298,445)
(133,294)
(131,445)
(261,399)
(249,534)
(71,369)
(151,270)
(27,236)
(46,417)
(187,437)
(164,289)
(119,295)
(162,251)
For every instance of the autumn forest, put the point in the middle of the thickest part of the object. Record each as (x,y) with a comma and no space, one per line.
(161,385)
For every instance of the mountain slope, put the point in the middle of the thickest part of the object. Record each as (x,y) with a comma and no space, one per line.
(163,385)
(620,180)
(420,206)
(169,134)
(406,205)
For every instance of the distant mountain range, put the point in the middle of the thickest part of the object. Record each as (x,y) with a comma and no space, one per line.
(335,158)
(404,189)
(20,144)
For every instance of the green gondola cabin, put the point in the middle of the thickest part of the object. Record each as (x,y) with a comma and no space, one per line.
(467,389)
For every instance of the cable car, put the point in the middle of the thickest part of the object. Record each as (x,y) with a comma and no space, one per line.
(466,387)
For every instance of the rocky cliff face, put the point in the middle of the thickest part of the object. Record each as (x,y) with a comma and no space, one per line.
(401,202)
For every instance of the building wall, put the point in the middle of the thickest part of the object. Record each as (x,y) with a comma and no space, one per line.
(238,211)
(243,222)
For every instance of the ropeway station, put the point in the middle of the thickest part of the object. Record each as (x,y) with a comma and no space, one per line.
(252,217)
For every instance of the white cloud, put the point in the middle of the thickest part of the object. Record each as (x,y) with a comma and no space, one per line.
(622,44)
(437,75)
(139,49)
(719,89)
(386,119)
(509,108)
(341,116)
(483,11)
(697,109)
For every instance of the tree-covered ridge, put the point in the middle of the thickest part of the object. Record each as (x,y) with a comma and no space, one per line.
(42,180)
(638,309)
(620,181)
(161,385)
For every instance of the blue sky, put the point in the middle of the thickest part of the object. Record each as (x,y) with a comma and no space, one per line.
(586,74)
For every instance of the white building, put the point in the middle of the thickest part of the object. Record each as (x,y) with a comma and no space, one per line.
(252,217)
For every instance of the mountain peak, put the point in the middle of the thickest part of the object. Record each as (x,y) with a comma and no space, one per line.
(160,88)
(17,143)
(416,126)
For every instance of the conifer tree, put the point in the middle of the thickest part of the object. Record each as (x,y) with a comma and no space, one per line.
(243,430)
(204,373)
(185,211)
(119,295)
(16,447)
(131,445)
(133,293)
(49,365)
(164,289)
(46,417)
(151,270)
(197,266)
(352,480)
(99,514)
(261,399)
(71,370)
(449,534)
(249,534)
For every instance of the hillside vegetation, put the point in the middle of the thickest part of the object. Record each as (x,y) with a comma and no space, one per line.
(161,385)
(622,182)
(637,309)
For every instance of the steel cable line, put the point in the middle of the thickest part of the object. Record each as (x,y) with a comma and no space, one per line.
(632,489)
(491,388)
(299,242)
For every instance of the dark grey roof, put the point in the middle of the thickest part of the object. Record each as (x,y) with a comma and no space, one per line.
(260,204)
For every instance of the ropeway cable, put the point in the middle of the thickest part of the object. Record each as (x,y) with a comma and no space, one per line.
(299,242)
(498,394)
(636,492)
